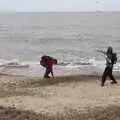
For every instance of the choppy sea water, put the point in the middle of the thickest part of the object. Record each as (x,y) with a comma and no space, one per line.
(72,38)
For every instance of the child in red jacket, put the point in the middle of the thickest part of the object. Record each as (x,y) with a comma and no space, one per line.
(49,68)
(48,63)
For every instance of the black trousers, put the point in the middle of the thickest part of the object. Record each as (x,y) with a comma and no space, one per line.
(108,73)
(47,72)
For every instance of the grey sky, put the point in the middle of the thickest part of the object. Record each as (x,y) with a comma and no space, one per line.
(59,5)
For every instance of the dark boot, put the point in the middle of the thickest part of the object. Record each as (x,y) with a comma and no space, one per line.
(102,84)
(114,82)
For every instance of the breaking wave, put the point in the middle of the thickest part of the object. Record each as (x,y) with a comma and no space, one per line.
(33,68)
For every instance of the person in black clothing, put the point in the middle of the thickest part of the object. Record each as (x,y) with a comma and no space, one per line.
(111,59)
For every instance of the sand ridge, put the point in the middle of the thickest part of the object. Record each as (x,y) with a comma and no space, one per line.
(77,92)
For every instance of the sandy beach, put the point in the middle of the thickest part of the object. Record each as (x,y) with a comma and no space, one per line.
(71,98)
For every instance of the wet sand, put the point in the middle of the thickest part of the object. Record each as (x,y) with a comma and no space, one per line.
(70,98)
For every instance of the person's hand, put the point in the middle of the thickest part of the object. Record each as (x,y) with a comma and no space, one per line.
(99,50)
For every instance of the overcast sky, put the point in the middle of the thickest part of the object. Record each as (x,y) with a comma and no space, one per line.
(59,5)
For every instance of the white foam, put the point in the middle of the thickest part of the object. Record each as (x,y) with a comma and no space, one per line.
(33,68)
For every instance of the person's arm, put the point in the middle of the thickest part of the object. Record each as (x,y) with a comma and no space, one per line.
(101,51)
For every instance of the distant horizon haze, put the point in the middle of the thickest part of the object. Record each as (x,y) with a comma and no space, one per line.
(59,5)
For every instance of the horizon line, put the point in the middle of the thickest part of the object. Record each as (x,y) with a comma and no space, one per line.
(97,11)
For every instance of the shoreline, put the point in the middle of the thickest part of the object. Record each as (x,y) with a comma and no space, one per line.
(38,71)
(61,76)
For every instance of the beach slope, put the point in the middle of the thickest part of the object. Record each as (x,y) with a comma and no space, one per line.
(70,98)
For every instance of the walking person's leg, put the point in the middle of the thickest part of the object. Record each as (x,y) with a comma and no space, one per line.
(112,77)
(104,77)
(51,70)
(47,72)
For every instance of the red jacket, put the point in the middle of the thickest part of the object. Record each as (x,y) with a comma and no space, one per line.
(49,63)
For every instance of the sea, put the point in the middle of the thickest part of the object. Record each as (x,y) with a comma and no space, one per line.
(73,38)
